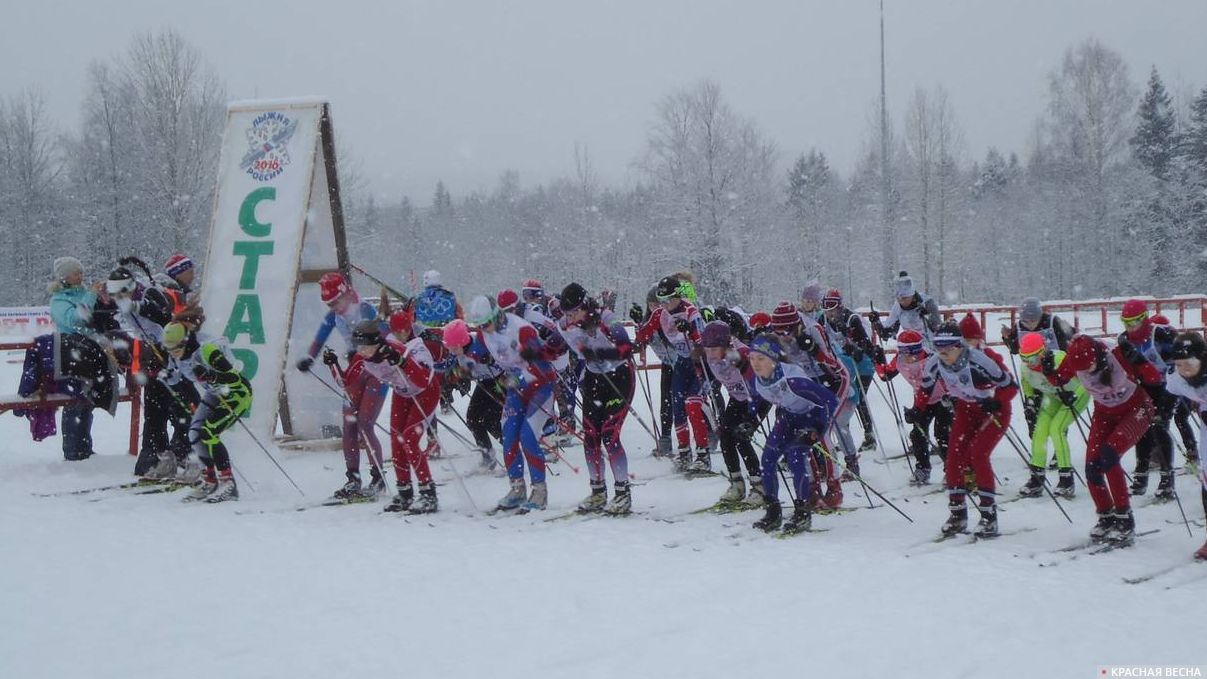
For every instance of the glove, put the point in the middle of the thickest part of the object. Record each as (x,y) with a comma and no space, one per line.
(1130,352)
(744,429)
(1007,334)
(637,314)
(201,373)
(1031,409)
(990,405)
(1067,397)
(805,343)
(1048,364)
(385,353)
(854,352)
(530,354)
(304,363)
(682,325)
(912,415)
(330,358)
(878,356)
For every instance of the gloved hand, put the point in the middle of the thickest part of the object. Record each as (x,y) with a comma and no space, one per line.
(1067,397)
(682,325)
(745,429)
(1130,352)
(330,358)
(854,352)
(202,374)
(304,363)
(386,354)
(530,354)
(1048,364)
(912,415)
(990,405)
(637,314)
(805,342)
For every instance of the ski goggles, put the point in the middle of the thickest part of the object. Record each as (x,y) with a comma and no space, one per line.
(1134,320)
(830,303)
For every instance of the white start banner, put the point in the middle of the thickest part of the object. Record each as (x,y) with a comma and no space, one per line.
(277,227)
(26,322)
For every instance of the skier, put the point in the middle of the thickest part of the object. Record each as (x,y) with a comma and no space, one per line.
(811,299)
(680,325)
(142,310)
(225,397)
(599,339)
(729,360)
(911,310)
(850,336)
(1056,334)
(1122,412)
(485,412)
(559,430)
(910,362)
(666,359)
(364,393)
(529,379)
(804,412)
(982,389)
(1143,341)
(1181,415)
(1188,379)
(408,367)
(807,346)
(181,273)
(1058,407)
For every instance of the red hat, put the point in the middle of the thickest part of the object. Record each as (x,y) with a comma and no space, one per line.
(784,316)
(456,334)
(1159,319)
(832,300)
(507,299)
(1031,344)
(760,319)
(402,322)
(970,328)
(531,284)
(1133,309)
(910,341)
(177,264)
(331,286)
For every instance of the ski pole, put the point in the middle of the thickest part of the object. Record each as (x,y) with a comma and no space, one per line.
(274,460)
(892,404)
(343,394)
(382,283)
(1017,449)
(863,394)
(820,448)
(1176,497)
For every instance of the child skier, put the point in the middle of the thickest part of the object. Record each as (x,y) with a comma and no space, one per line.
(910,363)
(1057,408)
(729,360)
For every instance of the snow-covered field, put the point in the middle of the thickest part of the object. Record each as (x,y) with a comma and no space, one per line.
(121,585)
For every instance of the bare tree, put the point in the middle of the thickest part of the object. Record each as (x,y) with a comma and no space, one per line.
(29,178)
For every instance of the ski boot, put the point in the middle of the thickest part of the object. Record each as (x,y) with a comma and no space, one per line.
(188,472)
(514,497)
(1106,521)
(1201,554)
(735,492)
(350,489)
(987,526)
(683,461)
(869,442)
(164,469)
(703,462)
(426,504)
(833,498)
(957,521)
(773,517)
(755,498)
(921,476)
(1065,487)
(800,521)
(377,485)
(537,499)
(852,469)
(1123,528)
(596,501)
(622,501)
(206,487)
(1139,483)
(226,490)
(1035,485)
(403,500)
(1165,488)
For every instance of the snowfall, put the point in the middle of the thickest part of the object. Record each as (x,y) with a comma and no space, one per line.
(117,584)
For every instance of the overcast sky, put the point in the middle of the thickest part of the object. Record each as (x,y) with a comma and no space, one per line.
(464,90)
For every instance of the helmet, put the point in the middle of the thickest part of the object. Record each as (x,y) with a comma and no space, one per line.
(532,288)
(1133,310)
(784,317)
(367,333)
(760,319)
(970,328)
(331,286)
(120,282)
(1188,345)
(910,342)
(174,334)
(507,299)
(573,296)
(768,346)
(667,288)
(832,300)
(948,334)
(1032,344)
(482,310)
(402,322)
(456,334)
(716,334)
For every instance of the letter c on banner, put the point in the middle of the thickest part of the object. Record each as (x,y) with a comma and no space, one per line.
(247,212)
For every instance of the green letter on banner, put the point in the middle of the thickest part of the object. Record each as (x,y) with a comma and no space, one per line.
(246,319)
(247,212)
(251,251)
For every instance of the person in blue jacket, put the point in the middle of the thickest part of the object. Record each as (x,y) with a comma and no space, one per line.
(71,307)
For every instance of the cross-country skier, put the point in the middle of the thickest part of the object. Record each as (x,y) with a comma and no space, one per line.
(982,389)
(1057,409)
(680,324)
(599,339)
(558,431)
(1188,379)
(408,367)
(1181,415)
(849,335)
(1142,341)
(666,360)
(225,396)
(529,379)
(804,411)
(910,363)
(729,360)
(1056,334)
(1122,412)
(484,416)
(912,310)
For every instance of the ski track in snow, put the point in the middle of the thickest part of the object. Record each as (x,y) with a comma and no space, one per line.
(114,584)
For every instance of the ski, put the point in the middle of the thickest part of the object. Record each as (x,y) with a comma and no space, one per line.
(100,489)
(784,535)
(722,508)
(1158,573)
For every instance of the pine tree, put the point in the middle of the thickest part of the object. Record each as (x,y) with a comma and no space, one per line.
(1194,141)
(1155,141)
(809,185)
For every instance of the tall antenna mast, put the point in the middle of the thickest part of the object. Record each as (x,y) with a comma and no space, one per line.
(887,240)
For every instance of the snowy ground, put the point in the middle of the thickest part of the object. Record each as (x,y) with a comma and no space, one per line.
(121,585)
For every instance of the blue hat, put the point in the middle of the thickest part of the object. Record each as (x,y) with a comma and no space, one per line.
(768,346)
